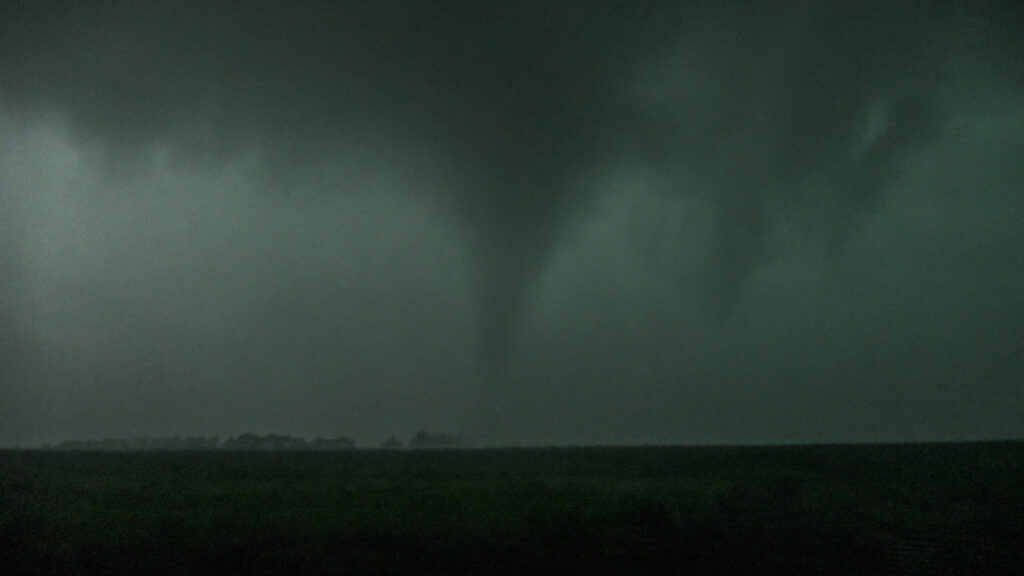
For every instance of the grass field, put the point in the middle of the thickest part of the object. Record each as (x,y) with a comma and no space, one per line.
(872,509)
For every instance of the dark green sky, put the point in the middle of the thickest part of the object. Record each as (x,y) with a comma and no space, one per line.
(544,222)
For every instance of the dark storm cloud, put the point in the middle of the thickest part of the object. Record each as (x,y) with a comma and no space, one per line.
(270,125)
(764,103)
(509,91)
(808,109)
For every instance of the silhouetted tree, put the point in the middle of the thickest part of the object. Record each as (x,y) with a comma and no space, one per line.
(392,443)
(424,439)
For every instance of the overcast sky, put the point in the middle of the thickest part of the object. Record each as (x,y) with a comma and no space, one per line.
(526,222)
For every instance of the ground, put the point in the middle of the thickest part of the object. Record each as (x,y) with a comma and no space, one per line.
(896,509)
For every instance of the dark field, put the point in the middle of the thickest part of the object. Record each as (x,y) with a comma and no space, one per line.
(899,509)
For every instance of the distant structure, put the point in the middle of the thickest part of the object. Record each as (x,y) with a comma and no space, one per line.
(392,443)
(424,439)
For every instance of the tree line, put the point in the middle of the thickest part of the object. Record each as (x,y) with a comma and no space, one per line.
(252,442)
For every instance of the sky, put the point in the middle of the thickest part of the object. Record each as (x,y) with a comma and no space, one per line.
(621,222)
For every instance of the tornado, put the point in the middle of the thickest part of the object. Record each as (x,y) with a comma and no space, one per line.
(799,114)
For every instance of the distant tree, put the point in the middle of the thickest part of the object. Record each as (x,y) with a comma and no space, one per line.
(339,443)
(392,443)
(424,439)
(275,442)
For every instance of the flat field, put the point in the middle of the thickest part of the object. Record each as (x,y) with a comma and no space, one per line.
(851,509)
